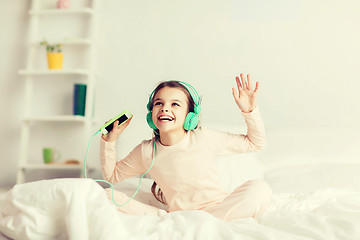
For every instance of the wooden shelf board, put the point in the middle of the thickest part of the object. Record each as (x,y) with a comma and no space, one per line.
(61,118)
(54,72)
(68,42)
(64,118)
(88,11)
(52,166)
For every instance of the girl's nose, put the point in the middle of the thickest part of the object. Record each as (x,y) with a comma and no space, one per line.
(164,110)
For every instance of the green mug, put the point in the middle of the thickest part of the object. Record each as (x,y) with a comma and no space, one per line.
(50,155)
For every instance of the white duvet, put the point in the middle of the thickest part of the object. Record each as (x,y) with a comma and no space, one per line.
(79,209)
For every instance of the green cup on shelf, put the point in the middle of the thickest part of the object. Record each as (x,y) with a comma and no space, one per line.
(50,155)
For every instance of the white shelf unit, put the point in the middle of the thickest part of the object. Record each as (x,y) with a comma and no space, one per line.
(38,14)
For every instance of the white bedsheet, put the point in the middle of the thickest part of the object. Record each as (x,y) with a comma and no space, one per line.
(79,209)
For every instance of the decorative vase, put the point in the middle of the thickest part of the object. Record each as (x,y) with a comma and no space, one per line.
(63,4)
(55,60)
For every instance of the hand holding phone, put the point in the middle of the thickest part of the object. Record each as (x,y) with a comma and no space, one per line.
(113,128)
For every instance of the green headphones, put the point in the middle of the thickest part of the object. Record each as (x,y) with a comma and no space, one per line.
(192,118)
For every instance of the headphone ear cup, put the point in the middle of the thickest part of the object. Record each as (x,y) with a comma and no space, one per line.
(148,106)
(150,121)
(197,109)
(191,121)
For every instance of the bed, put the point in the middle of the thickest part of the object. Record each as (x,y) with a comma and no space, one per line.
(79,209)
(314,200)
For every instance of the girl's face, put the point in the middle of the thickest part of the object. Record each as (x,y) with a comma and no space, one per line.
(170,109)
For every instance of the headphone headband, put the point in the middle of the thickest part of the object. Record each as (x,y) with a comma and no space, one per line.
(192,91)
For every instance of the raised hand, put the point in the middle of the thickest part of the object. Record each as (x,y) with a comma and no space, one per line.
(245,98)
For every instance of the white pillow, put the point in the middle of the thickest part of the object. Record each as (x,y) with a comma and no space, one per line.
(310,177)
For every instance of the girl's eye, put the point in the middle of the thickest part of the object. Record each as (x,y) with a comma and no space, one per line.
(175,104)
(157,103)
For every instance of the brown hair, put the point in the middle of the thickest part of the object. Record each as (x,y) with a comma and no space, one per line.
(172,84)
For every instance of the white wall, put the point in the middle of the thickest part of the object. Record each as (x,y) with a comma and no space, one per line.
(13,32)
(304,53)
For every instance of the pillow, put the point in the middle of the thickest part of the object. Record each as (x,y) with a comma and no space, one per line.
(310,177)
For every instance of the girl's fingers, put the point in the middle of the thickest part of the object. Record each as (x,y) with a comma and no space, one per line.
(249,82)
(238,83)
(240,86)
(243,81)
(236,96)
(115,124)
(257,87)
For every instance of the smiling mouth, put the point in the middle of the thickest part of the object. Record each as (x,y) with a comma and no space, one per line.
(165,118)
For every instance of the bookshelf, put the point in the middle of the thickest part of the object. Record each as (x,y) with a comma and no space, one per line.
(40,14)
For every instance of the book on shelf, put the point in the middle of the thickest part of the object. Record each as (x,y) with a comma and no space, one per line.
(79,99)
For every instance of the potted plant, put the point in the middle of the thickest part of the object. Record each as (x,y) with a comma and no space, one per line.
(54,54)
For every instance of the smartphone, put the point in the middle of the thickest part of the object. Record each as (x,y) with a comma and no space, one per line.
(122,118)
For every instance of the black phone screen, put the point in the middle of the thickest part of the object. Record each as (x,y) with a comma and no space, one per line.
(121,119)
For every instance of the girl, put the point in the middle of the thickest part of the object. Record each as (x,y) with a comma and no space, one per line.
(184,158)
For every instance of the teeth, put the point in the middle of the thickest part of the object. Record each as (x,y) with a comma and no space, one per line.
(165,118)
